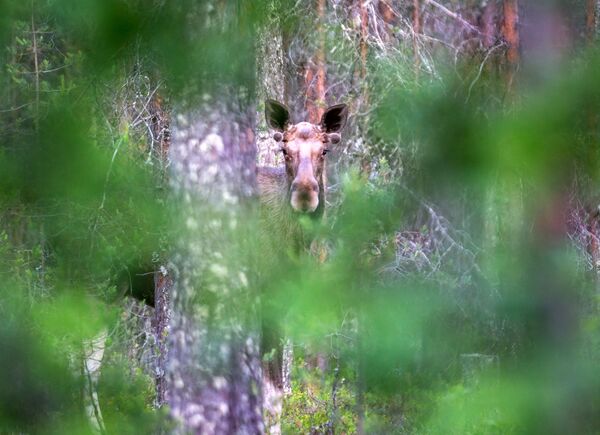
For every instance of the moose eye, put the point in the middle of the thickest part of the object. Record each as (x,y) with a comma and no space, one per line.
(284,151)
(325,151)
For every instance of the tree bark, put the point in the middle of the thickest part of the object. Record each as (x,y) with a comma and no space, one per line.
(364,35)
(416,19)
(271,84)
(597,18)
(93,353)
(592,8)
(489,27)
(163,284)
(314,78)
(213,369)
(511,37)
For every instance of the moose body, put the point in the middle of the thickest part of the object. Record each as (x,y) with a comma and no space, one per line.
(283,231)
(288,193)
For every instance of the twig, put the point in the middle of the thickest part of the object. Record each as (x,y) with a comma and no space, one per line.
(112,161)
(454,15)
(45,71)
(487,55)
(13,109)
(37,71)
(334,391)
(145,107)
(91,383)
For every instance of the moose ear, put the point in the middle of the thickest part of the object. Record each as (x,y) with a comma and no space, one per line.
(277,115)
(334,118)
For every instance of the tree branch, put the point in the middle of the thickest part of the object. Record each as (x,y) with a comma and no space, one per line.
(453,15)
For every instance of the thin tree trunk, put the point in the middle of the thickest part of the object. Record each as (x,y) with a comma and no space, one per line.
(591,18)
(597,19)
(511,37)
(163,284)
(37,69)
(163,280)
(416,19)
(360,75)
(364,35)
(593,245)
(489,28)
(314,79)
(360,376)
(213,369)
(93,354)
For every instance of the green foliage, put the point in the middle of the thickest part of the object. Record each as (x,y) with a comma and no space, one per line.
(126,400)
(310,409)
(38,388)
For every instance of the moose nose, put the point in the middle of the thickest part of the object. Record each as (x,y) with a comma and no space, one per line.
(305,186)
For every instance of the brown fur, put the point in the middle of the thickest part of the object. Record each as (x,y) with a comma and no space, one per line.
(299,187)
(274,185)
(280,226)
(294,133)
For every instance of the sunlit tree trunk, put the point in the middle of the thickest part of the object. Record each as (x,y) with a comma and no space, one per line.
(361,78)
(314,77)
(364,34)
(590,19)
(510,32)
(93,354)
(213,368)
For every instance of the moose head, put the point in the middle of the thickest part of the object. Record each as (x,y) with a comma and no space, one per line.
(304,146)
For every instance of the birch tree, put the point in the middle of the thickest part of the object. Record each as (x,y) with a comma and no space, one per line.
(213,370)
(214,375)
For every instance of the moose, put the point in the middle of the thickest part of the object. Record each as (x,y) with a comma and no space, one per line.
(287,194)
(298,188)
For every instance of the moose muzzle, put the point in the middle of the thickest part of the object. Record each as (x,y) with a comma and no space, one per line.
(305,190)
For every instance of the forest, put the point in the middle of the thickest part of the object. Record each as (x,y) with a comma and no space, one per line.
(300,217)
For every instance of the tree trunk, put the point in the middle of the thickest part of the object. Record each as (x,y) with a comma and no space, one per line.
(213,369)
(93,354)
(416,19)
(364,35)
(36,62)
(270,81)
(511,38)
(271,84)
(163,284)
(314,78)
(489,28)
(597,18)
(592,29)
